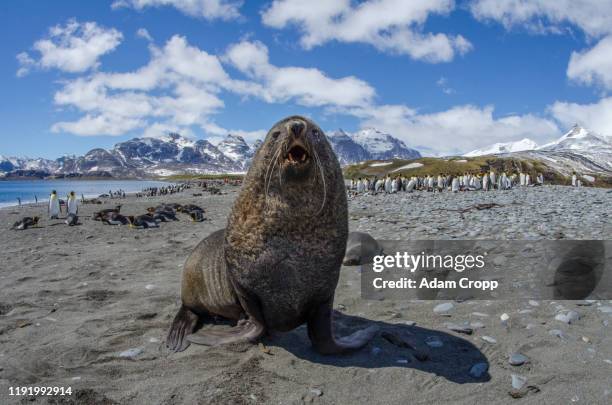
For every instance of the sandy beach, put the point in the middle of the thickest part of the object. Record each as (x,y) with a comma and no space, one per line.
(88,307)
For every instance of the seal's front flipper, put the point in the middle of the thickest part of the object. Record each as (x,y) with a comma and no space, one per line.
(321,333)
(183,324)
(246,330)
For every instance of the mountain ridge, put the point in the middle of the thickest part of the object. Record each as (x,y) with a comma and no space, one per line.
(175,154)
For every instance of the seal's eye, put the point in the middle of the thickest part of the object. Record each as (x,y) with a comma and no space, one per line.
(275,134)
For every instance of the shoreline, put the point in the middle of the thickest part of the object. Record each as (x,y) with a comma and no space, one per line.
(43,200)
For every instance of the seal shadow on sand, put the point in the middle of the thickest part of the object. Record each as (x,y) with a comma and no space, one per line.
(452,361)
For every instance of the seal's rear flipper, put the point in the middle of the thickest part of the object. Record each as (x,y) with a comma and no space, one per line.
(321,333)
(245,331)
(183,324)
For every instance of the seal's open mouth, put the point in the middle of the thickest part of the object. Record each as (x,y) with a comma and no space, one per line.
(297,154)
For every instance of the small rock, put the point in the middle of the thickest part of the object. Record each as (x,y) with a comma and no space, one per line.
(558,333)
(459,328)
(153,340)
(316,392)
(477,325)
(489,339)
(480,314)
(534,303)
(605,309)
(130,353)
(150,286)
(504,317)
(518,381)
(479,369)
(442,309)
(517,359)
(77,378)
(410,323)
(568,317)
(586,339)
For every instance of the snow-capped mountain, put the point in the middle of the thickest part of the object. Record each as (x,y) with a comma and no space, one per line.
(580,139)
(578,150)
(504,147)
(347,150)
(382,146)
(368,144)
(235,148)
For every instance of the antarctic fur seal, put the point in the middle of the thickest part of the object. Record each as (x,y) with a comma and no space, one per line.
(360,249)
(276,265)
(98,216)
(25,222)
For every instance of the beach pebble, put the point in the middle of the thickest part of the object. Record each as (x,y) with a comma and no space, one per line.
(316,392)
(77,378)
(433,341)
(477,325)
(518,381)
(153,340)
(130,353)
(479,369)
(443,308)
(149,286)
(605,309)
(489,339)
(499,260)
(463,328)
(480,314)
(517,359)
(410,323)
(568,317)
(504,317)
(558,333)
(534,303)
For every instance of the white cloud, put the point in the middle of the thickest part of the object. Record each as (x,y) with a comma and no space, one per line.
(456,130)
(307,86)
(25,64)
(91,125)
(74,47)
(144,34)
(596,116)
(442,83)
(393,26)
(206,9)
(181,85)
(593,66)
(591,16)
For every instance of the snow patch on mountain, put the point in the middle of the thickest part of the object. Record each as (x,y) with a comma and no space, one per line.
(504,147)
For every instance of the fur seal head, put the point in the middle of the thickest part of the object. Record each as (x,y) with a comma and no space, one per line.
(296,167)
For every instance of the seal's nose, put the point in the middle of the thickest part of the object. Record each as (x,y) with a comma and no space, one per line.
(296,127)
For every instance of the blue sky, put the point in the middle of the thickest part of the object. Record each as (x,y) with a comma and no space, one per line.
(445,77)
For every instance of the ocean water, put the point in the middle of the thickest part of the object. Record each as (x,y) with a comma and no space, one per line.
(28,190)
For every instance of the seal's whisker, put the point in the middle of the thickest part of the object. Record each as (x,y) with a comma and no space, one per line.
(275,158)
(320,166)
